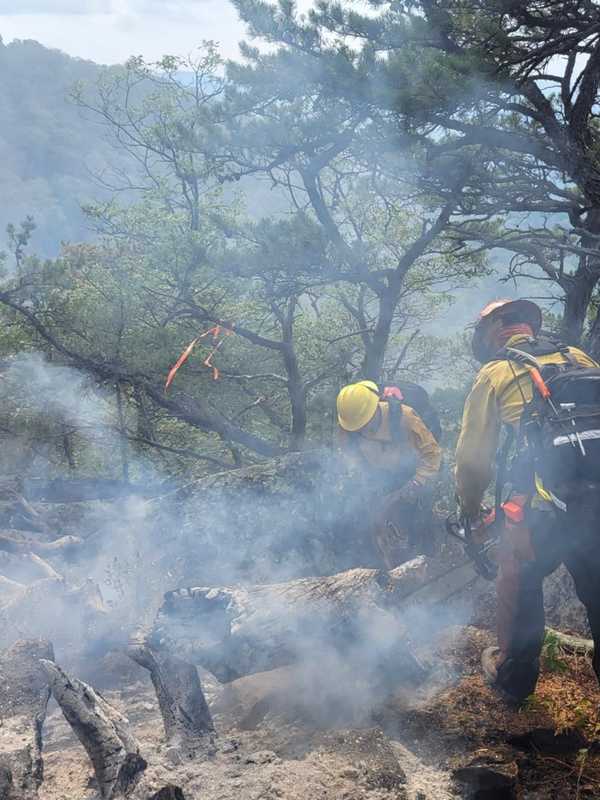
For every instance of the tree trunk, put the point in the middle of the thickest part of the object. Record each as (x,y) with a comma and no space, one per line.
(577,301)
(581,289)
(24,694)
(240,631)
(377,346)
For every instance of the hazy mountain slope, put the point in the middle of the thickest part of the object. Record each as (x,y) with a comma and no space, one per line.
(48,150)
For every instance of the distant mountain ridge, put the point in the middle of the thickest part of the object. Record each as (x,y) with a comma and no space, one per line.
(49,151)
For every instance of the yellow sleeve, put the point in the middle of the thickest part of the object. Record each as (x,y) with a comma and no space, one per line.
(477,444)
(582,358)
(429,451)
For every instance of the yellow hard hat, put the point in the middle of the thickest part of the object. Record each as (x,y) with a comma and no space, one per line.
(357,404)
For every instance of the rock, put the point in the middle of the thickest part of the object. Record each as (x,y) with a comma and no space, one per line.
(24,695)
(488,775)
(564,610)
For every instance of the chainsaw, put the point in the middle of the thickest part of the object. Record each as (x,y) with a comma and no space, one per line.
(478,550)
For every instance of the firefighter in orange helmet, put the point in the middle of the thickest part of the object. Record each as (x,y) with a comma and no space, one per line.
(397,459)
(529,551)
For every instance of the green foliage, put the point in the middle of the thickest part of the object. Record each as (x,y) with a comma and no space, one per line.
(552,654)
(343,282)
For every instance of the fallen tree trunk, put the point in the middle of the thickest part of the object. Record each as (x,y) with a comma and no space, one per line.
(24,694)
(186,717)
(101,729)
(235,631)
(573,644)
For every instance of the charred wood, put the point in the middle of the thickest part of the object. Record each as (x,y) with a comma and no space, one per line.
(23,702)
(101,729)
(169,792)
(235,631)
(183,708)
(15,542)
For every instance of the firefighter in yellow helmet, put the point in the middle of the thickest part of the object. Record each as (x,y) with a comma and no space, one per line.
(529,550)
(397,458)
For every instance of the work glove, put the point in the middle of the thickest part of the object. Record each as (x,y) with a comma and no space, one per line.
(480,524)
(410,492)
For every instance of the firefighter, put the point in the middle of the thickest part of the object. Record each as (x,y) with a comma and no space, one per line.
(554,530)
(397,459)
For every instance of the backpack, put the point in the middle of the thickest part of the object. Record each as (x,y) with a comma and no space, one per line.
(415,396)
(562,431)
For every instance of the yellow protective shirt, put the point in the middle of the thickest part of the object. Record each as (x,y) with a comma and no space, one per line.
(378,448)
(496,398)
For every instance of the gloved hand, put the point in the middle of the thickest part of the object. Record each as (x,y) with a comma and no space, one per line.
(480,524)
(410,492)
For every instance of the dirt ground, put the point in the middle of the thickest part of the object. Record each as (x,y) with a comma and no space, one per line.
(279,738)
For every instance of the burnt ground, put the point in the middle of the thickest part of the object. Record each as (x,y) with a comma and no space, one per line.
(280,737)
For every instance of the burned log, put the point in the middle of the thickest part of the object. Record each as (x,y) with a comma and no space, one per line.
(23,701)
(101,729)
(235,631)
(16,542)
(186,717)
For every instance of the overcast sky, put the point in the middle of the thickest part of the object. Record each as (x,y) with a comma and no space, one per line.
(109,31)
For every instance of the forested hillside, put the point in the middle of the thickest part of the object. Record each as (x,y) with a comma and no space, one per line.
(49,151)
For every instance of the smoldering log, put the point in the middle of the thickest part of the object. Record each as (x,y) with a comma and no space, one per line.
(235,631)
(185,713)
(101,729)
(24,696)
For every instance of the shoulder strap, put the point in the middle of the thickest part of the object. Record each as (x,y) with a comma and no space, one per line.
(536,348)
(395,411)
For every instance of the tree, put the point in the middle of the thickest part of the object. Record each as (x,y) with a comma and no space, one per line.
(315,132)
(289,307)
(504,94)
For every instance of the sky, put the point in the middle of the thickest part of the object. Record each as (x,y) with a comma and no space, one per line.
(109,31)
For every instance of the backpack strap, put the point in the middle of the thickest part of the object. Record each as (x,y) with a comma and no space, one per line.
(396,413)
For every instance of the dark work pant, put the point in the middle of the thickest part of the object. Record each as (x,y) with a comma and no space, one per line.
(527,555)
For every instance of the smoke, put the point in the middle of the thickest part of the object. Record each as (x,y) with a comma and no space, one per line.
(296,517)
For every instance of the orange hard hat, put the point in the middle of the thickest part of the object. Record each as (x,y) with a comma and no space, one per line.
(524,311)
